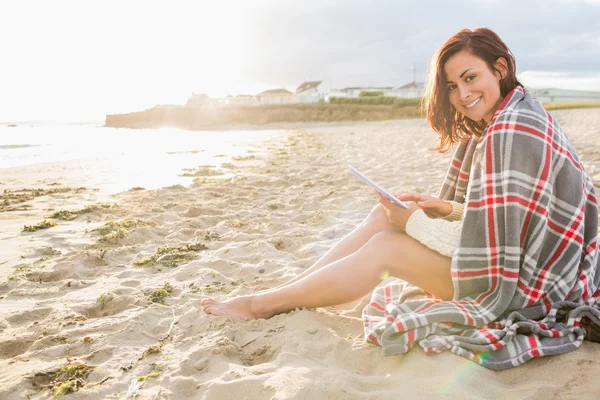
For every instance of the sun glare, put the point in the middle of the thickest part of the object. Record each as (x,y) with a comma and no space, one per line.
(120,56)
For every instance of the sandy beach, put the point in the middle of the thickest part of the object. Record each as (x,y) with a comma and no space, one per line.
(115,291)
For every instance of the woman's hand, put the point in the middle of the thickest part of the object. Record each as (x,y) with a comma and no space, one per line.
(397,215)
(432,206)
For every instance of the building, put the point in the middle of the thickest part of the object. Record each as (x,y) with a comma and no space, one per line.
(412,90)
(355,91)
(565,96)
(198,100)
(275,96)
(308,92)
(239,100)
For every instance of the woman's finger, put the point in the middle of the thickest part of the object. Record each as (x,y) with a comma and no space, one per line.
(385,202)
(430,203)
(378,195)
(437,207)
(380,198)
(409,197)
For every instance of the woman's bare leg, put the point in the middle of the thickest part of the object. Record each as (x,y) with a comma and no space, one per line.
(377,221)
(349,278)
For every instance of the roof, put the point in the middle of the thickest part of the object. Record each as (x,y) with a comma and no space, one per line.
(197,96)
(274,92)
(411,85)
(307,86)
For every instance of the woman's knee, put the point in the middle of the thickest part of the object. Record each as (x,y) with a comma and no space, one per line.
(384,245)
(377,220)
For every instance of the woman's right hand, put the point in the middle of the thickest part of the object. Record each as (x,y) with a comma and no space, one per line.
(432,206)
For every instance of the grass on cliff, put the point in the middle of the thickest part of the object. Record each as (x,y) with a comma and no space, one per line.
(369,108)
(570,106)
(199,119)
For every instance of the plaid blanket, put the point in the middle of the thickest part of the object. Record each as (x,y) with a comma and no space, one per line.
(526,276)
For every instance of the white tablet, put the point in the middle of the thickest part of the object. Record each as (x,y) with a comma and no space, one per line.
(375,186)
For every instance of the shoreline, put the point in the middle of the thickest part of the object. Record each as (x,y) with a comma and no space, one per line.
(285,125)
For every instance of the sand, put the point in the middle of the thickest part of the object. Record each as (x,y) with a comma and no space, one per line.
(269,220)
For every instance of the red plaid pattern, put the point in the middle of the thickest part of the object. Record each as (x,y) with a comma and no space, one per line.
(526,269)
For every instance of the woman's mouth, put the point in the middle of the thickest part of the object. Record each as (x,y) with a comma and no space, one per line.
(472,104)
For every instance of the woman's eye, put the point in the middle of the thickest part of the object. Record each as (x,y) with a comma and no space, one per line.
(451,88)
(470,78)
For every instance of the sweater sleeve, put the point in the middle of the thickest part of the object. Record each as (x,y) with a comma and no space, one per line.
(457,211)
(438,234)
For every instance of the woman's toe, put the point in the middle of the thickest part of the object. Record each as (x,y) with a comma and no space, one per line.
(207,301)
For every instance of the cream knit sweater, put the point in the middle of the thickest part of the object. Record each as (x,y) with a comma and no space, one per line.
(439,234)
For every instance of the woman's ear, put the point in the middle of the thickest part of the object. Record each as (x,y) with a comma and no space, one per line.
(501,66)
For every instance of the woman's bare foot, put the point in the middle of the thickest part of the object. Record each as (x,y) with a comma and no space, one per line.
(210,300)
(242,306)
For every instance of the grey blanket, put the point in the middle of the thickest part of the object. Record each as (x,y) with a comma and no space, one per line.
(525,274)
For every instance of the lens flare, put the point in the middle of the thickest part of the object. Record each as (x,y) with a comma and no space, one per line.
(384,274)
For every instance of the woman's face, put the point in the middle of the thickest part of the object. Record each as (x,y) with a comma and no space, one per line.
(472,88)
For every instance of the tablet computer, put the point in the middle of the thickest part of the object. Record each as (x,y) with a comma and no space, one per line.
(375,186)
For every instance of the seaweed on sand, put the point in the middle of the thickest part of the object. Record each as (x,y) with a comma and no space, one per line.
(159,295)
(243,158)
(203,170)
(69,215)
(113,231)
(104,298)
(41,225)
(65,380)
(172,256)
(11,197)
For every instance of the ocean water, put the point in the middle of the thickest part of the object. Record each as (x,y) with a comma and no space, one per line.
(116,159)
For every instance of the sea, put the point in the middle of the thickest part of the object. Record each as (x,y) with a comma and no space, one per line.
(117,159)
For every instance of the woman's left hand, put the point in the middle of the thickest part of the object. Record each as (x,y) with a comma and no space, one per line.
(397,215)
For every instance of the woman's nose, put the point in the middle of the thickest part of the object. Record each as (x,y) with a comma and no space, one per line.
(464,92)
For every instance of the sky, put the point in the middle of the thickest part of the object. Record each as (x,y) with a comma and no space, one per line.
(79,60)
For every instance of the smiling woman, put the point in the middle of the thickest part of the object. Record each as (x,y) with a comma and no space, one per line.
(475,93)
(473,73)
(491,266)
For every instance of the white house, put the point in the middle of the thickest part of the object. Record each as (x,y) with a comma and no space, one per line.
(355,91)
(239,100)
(199,100)
(308,92)
(565,96)
(412,90)
(275,96)
(336,93)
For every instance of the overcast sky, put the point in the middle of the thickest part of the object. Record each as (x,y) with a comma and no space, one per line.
(77,60)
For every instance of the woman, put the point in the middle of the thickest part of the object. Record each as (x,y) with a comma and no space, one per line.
(510,244)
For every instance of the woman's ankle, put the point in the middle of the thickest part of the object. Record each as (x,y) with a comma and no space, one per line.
(265,305)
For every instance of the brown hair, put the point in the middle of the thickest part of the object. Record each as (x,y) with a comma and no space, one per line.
(452,126)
